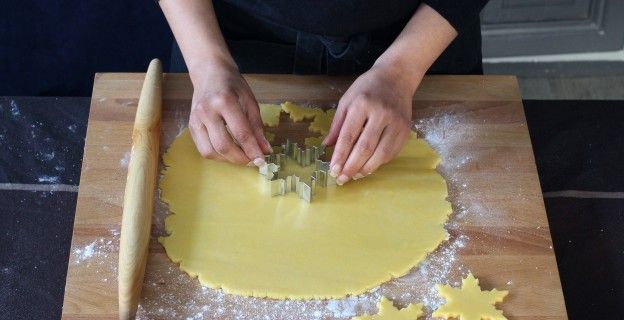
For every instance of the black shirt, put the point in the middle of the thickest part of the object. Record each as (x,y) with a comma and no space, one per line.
(350,17)
(336,37)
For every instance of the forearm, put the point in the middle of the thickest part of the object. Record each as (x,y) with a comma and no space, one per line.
(194,25)
(421,42)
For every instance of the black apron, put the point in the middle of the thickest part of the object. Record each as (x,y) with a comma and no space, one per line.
(259,45)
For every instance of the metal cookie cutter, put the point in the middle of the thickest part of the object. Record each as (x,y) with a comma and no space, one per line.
(280,184)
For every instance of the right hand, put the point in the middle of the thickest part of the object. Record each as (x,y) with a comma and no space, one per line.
(225,121)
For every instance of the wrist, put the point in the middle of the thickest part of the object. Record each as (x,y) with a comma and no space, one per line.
(405,75)
(205,67)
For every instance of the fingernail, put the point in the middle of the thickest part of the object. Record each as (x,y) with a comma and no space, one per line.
(259,162)
(342,180)
(250,164)
(358,176)
(335,170)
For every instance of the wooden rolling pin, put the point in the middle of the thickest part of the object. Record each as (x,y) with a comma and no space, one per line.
(139,196)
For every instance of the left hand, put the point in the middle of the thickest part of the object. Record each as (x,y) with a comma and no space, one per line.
(372,122)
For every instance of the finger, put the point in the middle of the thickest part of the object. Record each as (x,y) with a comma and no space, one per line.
(363,148)
(223,143)
(242,133)
(349,133)
(334,129)
(255,120)
(389,146)
(202,141)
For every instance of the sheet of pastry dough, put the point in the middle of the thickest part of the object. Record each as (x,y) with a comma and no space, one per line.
(226,229)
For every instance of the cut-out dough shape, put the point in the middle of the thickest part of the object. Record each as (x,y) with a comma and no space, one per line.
(270,114)
(322,122)
(226,229)
(387,311)
(469,302)
(298,113)
(321,119)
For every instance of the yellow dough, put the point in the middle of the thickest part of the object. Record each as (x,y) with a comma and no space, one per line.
(270,114)
(270,136)
(226,229)
(387,311)
(314,141)
(322,122)
(298,113)
(469,302)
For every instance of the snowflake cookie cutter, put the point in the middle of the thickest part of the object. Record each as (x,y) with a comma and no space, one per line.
(276,163)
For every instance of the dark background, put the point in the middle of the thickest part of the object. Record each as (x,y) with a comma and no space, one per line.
(53,48)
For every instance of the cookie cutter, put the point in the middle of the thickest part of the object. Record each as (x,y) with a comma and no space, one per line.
(280,185)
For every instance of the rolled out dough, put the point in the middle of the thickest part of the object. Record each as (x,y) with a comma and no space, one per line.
(228,231)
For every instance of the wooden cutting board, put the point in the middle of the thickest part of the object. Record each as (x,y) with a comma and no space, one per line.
(476,122)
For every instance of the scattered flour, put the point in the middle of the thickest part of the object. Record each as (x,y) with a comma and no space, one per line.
(15,111)
(48,179)
(123,162)
(48,156)
(72,128)
(95,256)
(346,308)
(82,254)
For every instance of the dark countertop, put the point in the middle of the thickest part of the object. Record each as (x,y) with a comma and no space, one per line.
(579,151)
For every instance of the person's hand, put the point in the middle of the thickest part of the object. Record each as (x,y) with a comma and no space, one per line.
(372,122)
(225,120)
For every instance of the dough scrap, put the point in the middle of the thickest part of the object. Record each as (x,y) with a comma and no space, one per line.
(387,311)
(270,114)
(469,302)
(227,230)
(322,122)
(321,119)
(298,113)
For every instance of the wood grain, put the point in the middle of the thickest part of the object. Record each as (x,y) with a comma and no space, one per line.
(509,247)
(139,194)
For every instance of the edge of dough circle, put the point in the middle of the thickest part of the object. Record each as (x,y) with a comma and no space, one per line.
(227,230)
